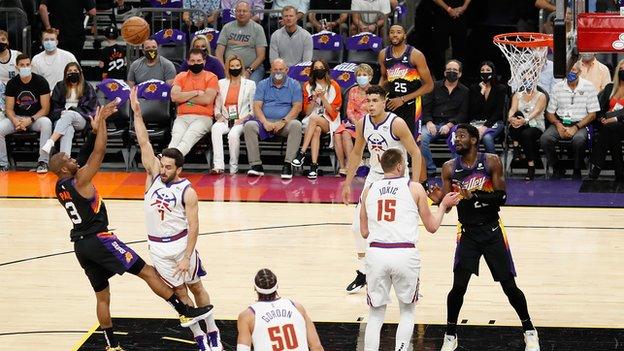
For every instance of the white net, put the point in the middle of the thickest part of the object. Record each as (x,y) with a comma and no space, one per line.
(525,62)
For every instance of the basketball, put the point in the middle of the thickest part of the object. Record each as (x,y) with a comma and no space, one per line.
(135,30)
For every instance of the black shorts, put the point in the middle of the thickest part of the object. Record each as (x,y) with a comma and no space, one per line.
(408,113)
(103,255)
(490,241)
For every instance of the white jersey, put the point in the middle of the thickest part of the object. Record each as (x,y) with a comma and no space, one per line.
(165,215)
(392,212)
(379,138)
(8,69)
(278,326)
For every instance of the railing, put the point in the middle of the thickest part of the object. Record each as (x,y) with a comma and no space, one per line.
(15,22)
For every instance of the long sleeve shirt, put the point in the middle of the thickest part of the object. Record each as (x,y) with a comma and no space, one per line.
(440,106)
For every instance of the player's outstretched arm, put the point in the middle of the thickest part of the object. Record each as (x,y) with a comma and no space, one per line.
(354,160)
(148,159)
(363,216)
(244,325)
(430,220)
(401,130)
(314,342)
(86,173)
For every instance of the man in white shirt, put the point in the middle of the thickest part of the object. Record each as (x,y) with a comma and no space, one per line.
(52,61)
(7,58)
(369,22)
(573,105)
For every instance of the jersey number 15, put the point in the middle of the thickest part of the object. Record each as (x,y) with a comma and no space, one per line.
(386,210)
(283,337)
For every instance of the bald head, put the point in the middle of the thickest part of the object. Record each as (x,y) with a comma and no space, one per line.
(57,161)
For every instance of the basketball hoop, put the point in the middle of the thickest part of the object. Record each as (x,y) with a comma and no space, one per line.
(526,53)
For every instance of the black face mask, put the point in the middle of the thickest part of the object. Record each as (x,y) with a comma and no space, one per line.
(486,77)
(621,74)
(196,68)
(3,46)
(73,77)
(151,54)
(235,72)
(319,73)
(451,76)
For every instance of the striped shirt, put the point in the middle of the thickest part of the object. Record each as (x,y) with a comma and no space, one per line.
(574,104)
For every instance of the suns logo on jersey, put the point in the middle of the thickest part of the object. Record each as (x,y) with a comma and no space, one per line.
(323,39)
(112,86)
(163,202)
(128,256)
(364,40)
(377,142)
(168,33)
(151,88)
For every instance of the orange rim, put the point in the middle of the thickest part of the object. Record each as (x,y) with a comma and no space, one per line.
(524,39)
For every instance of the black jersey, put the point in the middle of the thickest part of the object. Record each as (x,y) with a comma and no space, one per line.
(114,58)
(88,215)
(403,76)
(477,179)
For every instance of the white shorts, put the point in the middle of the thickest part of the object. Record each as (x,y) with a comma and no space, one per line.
(370,179)
(166,266)
(385,268)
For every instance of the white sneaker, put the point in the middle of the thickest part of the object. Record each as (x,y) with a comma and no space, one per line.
(450,343)
(214,340)
(47,147)
(531,340)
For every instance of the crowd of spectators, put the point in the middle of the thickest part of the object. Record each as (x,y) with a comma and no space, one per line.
(231,94)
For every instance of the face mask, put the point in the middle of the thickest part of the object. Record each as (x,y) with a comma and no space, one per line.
(362,80)
(196,68)
(151,54)
(73,77)
(235,72)
(25,72)
(572,76)
(3,46)
(278,77)
(318,73)
(621,74)
(587,57)
(49,45)
(451,76)
(486,77)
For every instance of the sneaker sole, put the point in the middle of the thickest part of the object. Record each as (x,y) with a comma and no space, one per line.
(355,290)
(196,319)
(286,176)
(255,174)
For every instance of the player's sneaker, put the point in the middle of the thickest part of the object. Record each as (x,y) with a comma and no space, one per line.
(214,340)
(194,314)
(531,340)
(202,343)
(358,283)
(450,343)
(116,348)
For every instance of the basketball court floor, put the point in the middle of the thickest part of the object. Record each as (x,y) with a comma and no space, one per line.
(568,260)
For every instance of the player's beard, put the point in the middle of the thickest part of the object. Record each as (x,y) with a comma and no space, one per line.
(167,179)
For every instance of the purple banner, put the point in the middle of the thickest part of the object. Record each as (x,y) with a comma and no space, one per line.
(167,36)
(364,41)
(211,34)
(154,89)
(300,71)
(344,74)
(327,40)
(115,88)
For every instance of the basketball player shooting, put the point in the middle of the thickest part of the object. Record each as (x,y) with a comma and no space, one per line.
(172,220)
(274,322)
(390,208)
(379,130)
(100,253)
(479,178)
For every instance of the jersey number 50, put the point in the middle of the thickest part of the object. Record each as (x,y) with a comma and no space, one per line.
(386,210)
(283,338)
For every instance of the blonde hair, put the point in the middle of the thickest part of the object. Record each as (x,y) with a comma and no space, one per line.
(363,67)
(201,37)
(230,59)
(616,78)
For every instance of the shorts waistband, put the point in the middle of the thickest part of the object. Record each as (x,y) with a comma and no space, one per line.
(167,239)
(87,236)
(392,245)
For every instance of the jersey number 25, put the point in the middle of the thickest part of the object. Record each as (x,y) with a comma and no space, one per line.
(386,210)
(283,338)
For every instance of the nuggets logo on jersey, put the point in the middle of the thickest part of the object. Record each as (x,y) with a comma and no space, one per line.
(376,142)
(163,201)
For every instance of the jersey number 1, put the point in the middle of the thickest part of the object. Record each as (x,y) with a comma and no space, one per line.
(283,338)
(386,210)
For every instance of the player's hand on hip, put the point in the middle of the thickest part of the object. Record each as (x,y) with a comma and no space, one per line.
(346,193)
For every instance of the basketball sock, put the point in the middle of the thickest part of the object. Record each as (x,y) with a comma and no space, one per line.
(197,330)
(109,336)
(361,264)
(406,326)
(179,306)
(527,325)
(373,328)
(211,325)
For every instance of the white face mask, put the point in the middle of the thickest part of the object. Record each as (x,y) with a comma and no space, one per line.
(25,72)
(362,80)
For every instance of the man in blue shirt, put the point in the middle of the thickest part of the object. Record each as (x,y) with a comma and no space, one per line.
(277,104)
